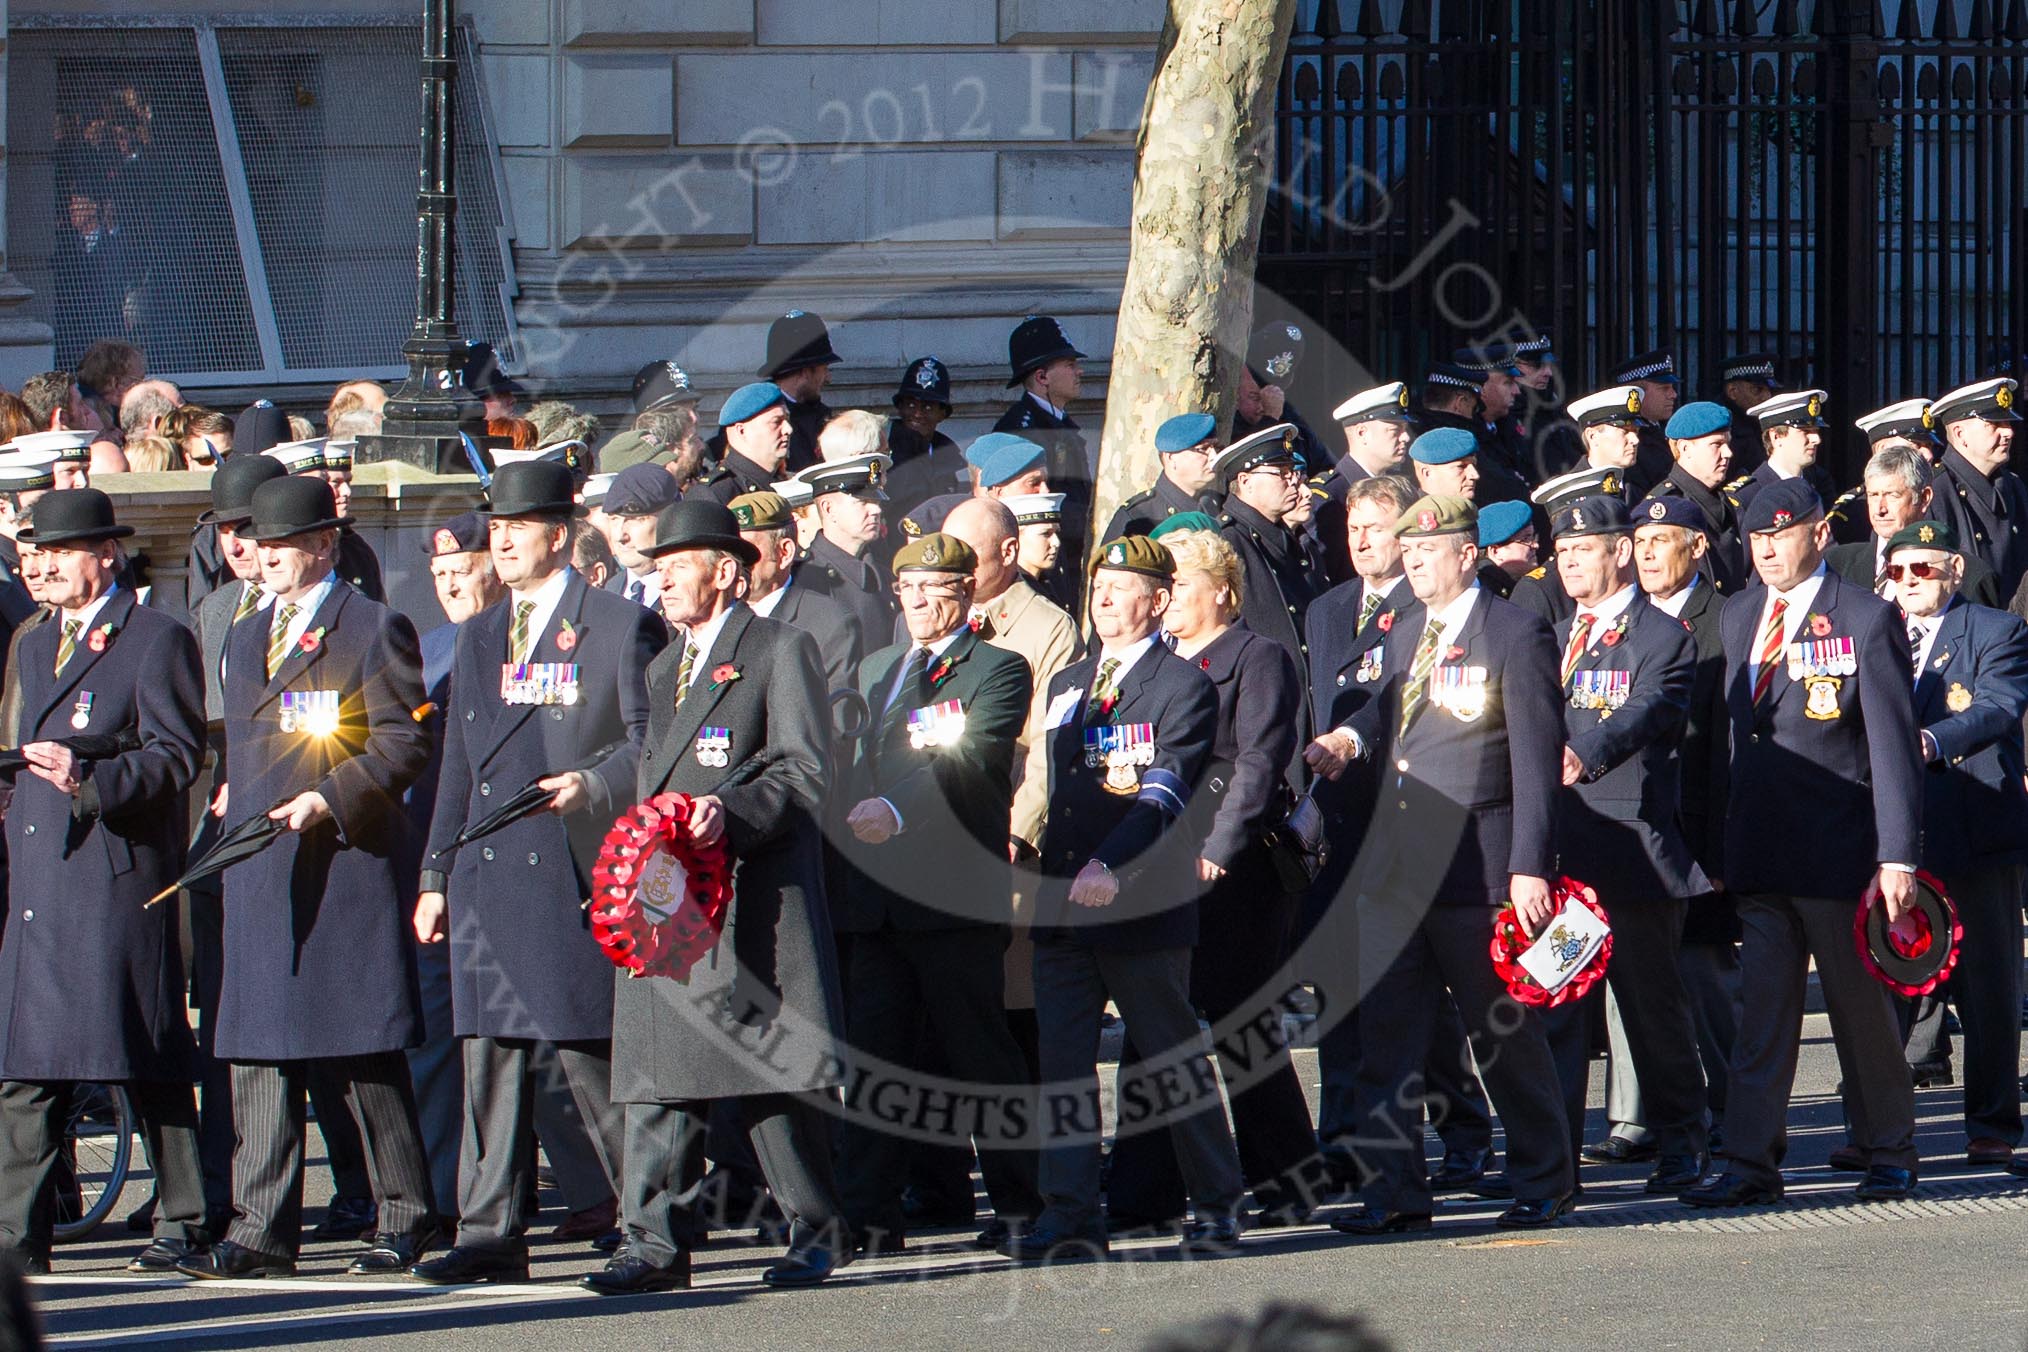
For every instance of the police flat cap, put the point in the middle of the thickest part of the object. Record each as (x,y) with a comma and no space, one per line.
(1755,366)
(1658,366)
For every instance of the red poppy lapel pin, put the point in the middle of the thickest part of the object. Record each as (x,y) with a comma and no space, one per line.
(1455,653)
(101,636)
(1611,637)
(1386,621)
(566,638)
(311,640)
(1820,626)
(941,672)
(724,674)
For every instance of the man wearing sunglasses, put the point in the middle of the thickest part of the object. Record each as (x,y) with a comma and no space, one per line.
(1261,477)
(1970,667)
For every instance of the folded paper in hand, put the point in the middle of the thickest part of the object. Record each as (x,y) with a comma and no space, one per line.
(1565,947)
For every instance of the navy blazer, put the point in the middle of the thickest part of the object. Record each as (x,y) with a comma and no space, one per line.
(91,980)
(1468,799)
(319,945)
(1821,794)
(1621,827)
(955,800)
(1248,782)
(1969,698)
(523,960)
(1987,514)
(1144,835)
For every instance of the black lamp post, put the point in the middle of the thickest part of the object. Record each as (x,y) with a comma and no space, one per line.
(423,419)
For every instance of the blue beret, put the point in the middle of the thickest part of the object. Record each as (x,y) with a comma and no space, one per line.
(1500,522)
(986,447)
(750,401)
(1672,511)
(1183,431)
(1700,419)
(1780,505)
(1443,446)
(1008,461)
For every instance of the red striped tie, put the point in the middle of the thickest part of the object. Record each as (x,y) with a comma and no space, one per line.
(1771,646)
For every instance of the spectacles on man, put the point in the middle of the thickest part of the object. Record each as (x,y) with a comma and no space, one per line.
(935,591)
(1922,572)
(1292,473)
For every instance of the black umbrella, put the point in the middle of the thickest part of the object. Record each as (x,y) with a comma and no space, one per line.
(244,841)
(85,746)
(528,801)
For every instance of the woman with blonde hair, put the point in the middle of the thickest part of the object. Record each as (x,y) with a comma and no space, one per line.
(1245,914)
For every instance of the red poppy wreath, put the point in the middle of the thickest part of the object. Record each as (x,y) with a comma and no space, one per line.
(659,898)
(1509,943)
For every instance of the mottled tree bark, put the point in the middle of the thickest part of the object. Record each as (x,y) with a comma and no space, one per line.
(1200,185)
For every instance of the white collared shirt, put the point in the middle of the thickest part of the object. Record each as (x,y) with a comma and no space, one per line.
(1800,598)
(704,635)
(1453,616)
(84,617)
(648,585)
(1607,611)
(306,608)
(1370,590)
(1672,606)
(1927,626)
(546,598)
(1127,657)
(936,650)
(767,604)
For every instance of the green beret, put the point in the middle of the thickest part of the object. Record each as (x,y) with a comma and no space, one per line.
(1437,514)
(1137,554)
(1184,521)
(938,553)
(761,511)
(1924,535)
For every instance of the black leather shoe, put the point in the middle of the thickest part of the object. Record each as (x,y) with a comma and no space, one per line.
(626,1273)
(1535,1215)
(1727,1190)
(1885,1183)
(1461,1168)
(1617,1150)
(804,1265)
(876,1241)
(1848,1159)
(163,1256)
(994,1235)
(466,1263)
(1368,1222)
(609,1242)
(1045,1245)
(347,1218)
(141,1220)
(1675,1175)
(1208,1239)
(1931,1074)
(227,1259)
(391,1255)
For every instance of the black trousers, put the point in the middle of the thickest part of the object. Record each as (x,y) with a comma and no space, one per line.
(1409,952)
(1782,935)
(950,984)
(33,1119)
(1661,1035)
(496,1154)
(1237,969)
(663,1170)
(268,1112)
(1986,988)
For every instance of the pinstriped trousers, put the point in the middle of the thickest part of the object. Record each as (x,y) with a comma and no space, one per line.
(267,1164)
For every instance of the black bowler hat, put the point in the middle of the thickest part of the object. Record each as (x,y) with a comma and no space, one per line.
(259,426)
(1036,341)
(233,485)
(796,341)
(294,504)
(699,524)
(71,516)
(535,488)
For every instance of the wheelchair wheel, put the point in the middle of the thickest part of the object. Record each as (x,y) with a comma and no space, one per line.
(96,1155)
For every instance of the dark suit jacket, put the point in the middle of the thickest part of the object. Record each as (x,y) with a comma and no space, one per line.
(835,628)
(1818,800)
(1705,759)
(1346,672)
(735,475)
(91,981)
(1141,835)
(768,995)
(1621,828)
(319,953)
(523,960)
(948,868)
(1148,509)
(1969,698)
(1988,515)
(1468,800)
(1247,784)
(1277,588)
(1855,562)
